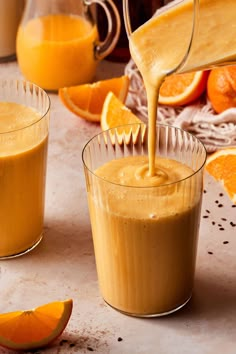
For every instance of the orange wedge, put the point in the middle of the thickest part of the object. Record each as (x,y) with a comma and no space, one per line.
(182,89)
(222,166)
(26,330)
(87,100)
(115,115)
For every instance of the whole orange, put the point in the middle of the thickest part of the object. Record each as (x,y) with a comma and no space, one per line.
(221,88)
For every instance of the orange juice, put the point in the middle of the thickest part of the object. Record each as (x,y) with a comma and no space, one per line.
(10,16)
(22,178)
(54,51)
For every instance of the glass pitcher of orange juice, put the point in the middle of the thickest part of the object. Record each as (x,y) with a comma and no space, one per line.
(184,35)
(58,41)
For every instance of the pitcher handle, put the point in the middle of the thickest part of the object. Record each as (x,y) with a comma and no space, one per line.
(104,48)
(127,17)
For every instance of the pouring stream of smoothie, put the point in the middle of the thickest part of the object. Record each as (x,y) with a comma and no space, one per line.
(175,41)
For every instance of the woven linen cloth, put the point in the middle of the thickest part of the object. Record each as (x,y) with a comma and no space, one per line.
(214,130)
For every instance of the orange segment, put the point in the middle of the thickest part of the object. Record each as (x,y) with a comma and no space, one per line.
(182,89)
(221,88)
(87,100)
(31,329)
(222,166)
(114,115)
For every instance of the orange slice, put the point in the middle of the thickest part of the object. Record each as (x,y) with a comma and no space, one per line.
(87,100)
(182,89)
(222,166)
(115,115)
(26,330)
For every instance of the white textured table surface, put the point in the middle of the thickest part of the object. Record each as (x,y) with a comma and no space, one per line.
(63,265)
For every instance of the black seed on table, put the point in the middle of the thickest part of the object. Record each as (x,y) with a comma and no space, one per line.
(223,219)
(219,225)
(221,194)
(221,229)
(232,224)
(209,252)
(208,211)
(205,216)
(119,339)
(90,349)
(234,206)
(225,242)
(213,222)
(204,191)
(220,205)
(63,341)
(217,201)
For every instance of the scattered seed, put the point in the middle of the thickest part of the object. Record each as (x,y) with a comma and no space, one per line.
(205,216)
(217,201)
(90,349)
(221,229)
(208,211)
(63,341)
(204,191)
(209,252)
(232,224)
(234,206)
(225,242)
(220,205)
(221,194)
(223,219)
(213,222)
(119,339)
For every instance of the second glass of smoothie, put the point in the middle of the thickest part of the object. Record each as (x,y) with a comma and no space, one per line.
(24,129)
(145,229)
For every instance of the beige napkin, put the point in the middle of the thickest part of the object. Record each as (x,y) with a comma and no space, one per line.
(214,130)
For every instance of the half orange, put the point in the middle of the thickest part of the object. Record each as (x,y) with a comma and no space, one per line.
(222,166)
(182,89)
(86,101)
(31,329)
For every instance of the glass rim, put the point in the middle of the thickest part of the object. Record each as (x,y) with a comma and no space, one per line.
(40,89)
(147,187)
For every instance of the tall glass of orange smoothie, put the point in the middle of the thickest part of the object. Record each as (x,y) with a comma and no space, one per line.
(24,127)
(145,228)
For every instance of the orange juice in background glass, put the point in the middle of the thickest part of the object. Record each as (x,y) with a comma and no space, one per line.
(24,128)
(58,42)
(10,16)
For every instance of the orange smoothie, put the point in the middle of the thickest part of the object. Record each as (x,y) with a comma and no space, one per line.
(57,50)
(159,46)
(145,210)
(145,239)
(22,180)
